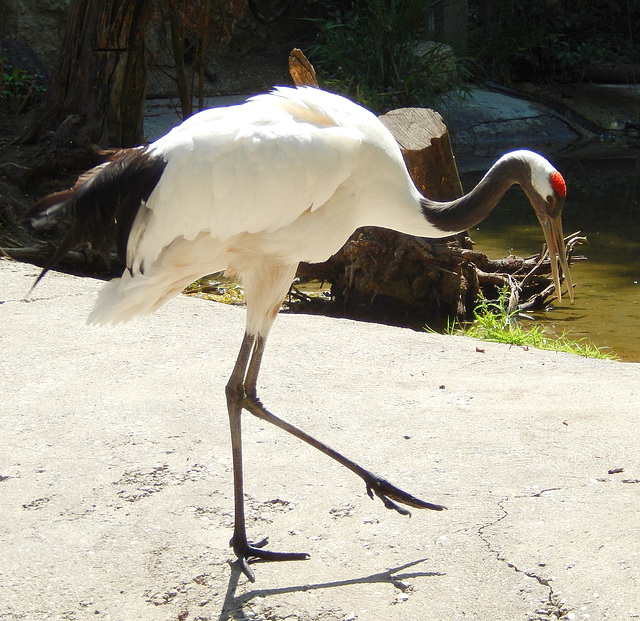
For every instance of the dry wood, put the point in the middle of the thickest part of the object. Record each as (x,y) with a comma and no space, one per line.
(301,70)
(78,260)
(426,147)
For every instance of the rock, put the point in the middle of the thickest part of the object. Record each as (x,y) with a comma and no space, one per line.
(440,60)
(486,122)
(38,22)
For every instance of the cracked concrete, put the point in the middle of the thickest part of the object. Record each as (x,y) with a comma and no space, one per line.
(553,607)
(115,470)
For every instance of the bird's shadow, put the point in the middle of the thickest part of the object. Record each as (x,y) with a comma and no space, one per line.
(234,604)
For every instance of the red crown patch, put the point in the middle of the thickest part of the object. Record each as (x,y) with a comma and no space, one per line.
(558,184)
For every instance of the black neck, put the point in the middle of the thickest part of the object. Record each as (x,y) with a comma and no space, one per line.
(467,211)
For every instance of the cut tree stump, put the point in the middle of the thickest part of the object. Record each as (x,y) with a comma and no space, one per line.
(424,140)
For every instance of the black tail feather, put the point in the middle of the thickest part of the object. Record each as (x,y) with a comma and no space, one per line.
(102,205)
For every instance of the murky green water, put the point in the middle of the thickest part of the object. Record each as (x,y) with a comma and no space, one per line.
(603,202)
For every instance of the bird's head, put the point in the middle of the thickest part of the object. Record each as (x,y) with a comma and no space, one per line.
(546,189)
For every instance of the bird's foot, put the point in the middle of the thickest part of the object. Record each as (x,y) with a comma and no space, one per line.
(253,552)
(392,495)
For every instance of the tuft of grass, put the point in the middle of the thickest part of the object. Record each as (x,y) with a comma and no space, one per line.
(494,323)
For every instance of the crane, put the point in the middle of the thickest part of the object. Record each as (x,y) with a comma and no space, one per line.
(254,189)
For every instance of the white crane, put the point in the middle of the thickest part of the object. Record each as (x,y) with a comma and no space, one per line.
(253,190)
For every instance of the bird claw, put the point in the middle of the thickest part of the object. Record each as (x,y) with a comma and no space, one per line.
(388,503)
(388,493)
(253,552)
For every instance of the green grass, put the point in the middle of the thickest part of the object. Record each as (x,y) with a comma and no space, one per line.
(494,323)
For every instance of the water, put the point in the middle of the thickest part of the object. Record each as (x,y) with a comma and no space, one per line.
(603,202)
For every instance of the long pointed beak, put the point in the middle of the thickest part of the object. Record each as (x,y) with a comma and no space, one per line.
(552,229)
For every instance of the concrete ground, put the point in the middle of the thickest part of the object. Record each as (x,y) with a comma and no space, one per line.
(116,484)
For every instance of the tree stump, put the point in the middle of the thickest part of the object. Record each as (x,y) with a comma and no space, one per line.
(426,147)
(424,140)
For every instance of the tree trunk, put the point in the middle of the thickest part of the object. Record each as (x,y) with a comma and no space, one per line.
(101,77)
(177,25)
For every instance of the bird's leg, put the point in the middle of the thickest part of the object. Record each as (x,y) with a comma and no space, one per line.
(235,396)
(242,394)
(235,391)
(387,492)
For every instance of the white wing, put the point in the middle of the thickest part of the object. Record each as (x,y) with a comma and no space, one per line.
(244,169)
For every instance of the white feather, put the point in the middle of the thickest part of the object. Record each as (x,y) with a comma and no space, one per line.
(248,169)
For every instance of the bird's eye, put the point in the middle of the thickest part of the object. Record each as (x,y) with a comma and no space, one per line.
(550,199)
